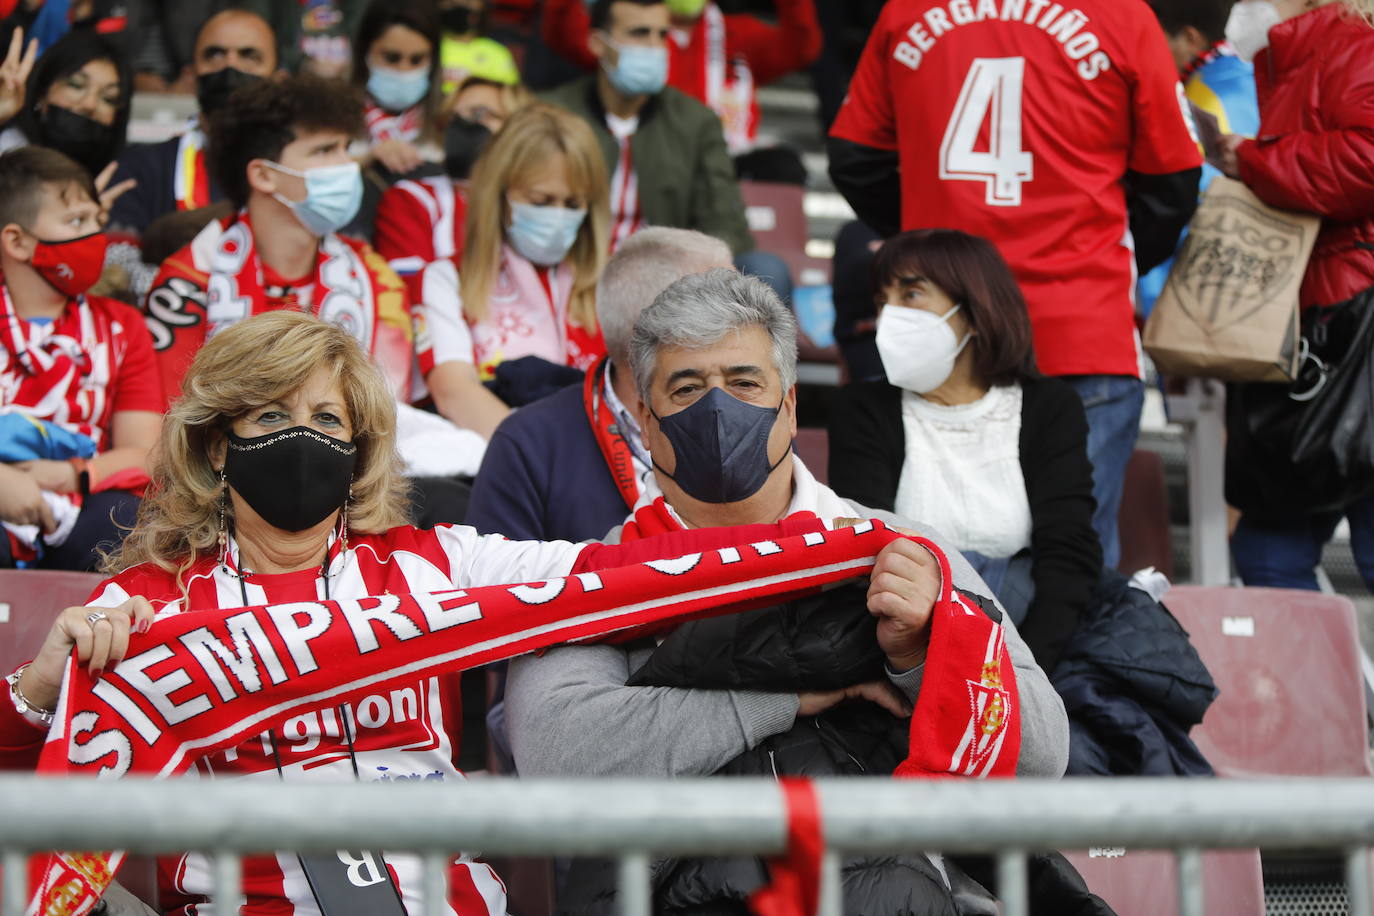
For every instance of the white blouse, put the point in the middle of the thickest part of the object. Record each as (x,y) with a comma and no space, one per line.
(962,471)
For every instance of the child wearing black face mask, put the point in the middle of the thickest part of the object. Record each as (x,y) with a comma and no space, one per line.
(81,397)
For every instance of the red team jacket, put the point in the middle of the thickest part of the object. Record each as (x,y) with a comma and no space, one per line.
(1316,143)
(1017,120)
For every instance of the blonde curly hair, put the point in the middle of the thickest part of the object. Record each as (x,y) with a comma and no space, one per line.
(246,366)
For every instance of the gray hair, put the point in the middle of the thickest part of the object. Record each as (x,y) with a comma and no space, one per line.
(641,268)
(698,310)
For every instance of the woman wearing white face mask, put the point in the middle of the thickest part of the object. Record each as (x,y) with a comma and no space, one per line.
(535,241)
(966,435)
(1314,71)
(396,65)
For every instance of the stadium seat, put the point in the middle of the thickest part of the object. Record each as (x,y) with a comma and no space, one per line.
(1144,882)
(777,219)
(1287,663)
(1143,519)
(29,600)
(813,448)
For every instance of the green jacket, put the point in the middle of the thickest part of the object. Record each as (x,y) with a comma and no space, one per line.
(686,178)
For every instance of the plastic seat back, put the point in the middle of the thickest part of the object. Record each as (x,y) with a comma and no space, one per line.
(1144,882)
(1143,520)
(777,220)
(813,448)
(29,600)
(1287,663)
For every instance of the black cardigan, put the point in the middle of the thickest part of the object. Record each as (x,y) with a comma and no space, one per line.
(868,448)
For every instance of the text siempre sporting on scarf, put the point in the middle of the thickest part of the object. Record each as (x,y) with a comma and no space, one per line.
(966,720)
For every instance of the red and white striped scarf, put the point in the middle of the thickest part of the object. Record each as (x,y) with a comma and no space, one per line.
(729,86)
(127,722)
(340,291)
(967,719)
(626,216)
(57,370)
(383,125)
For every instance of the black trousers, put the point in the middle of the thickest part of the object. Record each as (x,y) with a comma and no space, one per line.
(104,520)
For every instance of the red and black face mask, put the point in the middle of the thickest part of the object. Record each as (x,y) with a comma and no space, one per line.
(73,266)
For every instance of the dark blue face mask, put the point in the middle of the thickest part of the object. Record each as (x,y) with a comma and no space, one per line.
(721,444)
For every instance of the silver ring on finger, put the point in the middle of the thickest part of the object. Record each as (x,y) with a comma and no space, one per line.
(92,619)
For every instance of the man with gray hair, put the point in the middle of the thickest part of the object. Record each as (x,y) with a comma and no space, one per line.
(569,466)
(714,362)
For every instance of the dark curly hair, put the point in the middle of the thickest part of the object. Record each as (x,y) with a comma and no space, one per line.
(260,120)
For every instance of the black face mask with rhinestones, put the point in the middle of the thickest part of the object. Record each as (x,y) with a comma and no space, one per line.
(293,478)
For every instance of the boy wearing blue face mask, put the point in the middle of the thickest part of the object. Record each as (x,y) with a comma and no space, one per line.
(281,156)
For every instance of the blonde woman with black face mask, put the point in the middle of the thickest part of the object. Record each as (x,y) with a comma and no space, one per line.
(276,480)
(967,436)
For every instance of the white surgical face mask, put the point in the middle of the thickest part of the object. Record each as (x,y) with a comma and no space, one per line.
(917,347)
(1248,28)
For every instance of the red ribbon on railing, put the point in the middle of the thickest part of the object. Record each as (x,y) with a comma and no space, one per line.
(795,888)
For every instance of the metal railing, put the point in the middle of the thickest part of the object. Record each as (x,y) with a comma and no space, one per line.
(634,820)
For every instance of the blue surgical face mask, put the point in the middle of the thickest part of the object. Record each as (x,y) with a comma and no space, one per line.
(397,90)
(543,235)
(333,194)
(721,445)
(638,70)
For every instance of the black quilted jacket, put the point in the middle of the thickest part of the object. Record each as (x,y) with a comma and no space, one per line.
(1133,685)
(819,643)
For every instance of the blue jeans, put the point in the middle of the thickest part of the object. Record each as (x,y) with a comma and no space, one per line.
(1009,579)
(1113,404)
(769,268)
(1286,554)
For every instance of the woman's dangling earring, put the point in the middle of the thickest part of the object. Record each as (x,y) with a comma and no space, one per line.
(343,520)
(223,525)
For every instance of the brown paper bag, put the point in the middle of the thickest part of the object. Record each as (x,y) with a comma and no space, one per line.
(1229,309)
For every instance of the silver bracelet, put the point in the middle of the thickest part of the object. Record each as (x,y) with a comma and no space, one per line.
(22,703)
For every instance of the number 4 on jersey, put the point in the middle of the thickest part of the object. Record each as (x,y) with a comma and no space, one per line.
(992,93)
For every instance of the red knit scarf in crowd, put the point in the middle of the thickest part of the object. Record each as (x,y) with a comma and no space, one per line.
(133,721)
(967,719)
